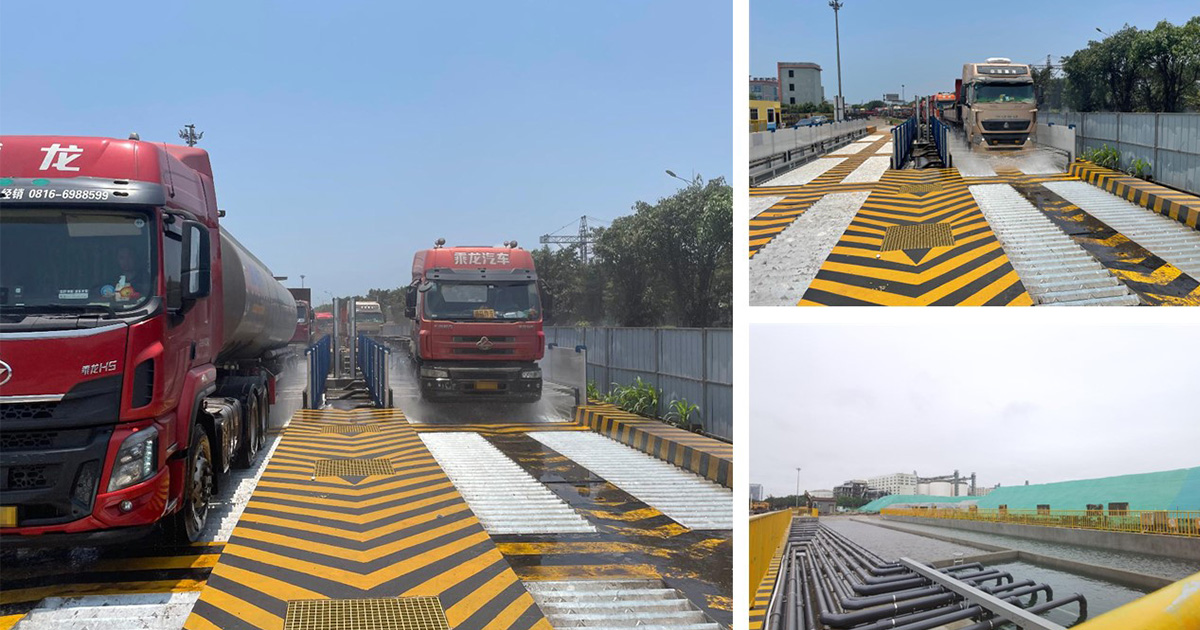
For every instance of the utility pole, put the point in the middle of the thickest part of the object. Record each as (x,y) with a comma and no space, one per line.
(189,135)
(841,105)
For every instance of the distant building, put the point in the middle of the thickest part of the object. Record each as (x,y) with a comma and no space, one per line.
(982,492)
(800,83)
(823,505)
(857,489)
(756,492)
(764,89)
(764,115)
(897,483)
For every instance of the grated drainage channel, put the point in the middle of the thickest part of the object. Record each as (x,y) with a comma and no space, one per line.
(617,605)
(689,499)
(1053,267)
(505,498)
(389,613)
(1166,238)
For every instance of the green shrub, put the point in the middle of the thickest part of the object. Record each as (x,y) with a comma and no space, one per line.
(640,398)
(681,412)
(1139,168)
(1105,156)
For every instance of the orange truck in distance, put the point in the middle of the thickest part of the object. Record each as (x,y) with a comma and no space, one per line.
(476,330)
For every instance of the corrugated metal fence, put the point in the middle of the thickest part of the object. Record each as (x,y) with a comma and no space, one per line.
(693,364)
(1170,142)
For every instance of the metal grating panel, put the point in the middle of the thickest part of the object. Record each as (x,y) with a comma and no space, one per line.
(350,429)
(353,467)
(919,189)
(920,236)
(399,613)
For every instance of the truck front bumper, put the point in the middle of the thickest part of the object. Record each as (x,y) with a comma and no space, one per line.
(480,383)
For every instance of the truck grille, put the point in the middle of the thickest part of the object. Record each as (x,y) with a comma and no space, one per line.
(27,411)
(476,338)
(1000,125)
(27,440)
(29,477)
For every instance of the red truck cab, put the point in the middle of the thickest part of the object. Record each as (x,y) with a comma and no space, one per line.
(121,405)
(476,329)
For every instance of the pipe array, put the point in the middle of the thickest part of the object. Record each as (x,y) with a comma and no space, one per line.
(826,581)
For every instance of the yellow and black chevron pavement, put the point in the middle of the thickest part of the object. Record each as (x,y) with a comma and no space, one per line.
(357,535)
(633,540)
(151,567)
(968,268)
(772,221)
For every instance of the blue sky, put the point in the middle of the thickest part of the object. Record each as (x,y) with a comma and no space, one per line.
(886,43)
(344,136)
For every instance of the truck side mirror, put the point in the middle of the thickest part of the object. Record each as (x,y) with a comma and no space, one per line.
(410,302)
(197,261)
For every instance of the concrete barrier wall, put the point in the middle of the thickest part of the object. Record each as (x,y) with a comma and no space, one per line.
(766,143)
(1181,547)
(1059,137)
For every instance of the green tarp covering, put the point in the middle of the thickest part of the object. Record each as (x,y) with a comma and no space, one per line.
(1167,490)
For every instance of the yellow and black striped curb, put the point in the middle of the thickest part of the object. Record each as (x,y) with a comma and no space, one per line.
(1156,282)
(1180,206)
(146,568)
(973,270)
(407,534)
(762,596)
(709,458)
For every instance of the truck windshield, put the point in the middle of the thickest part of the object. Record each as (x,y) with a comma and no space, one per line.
(369,318)
(71,260)
(1004,93)
(482,300)
(301,313)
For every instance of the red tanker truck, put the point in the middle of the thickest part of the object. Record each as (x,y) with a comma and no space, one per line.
(476,329)
(138,340)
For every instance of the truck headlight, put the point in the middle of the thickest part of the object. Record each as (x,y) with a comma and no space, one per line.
(428,372)
(531,374)
(135,460)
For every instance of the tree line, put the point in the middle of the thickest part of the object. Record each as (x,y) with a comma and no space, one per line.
(669,263)
(1131,70)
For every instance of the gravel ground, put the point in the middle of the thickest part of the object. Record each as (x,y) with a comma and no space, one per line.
(761,204)
(806,173)
(781,272)
(870,171)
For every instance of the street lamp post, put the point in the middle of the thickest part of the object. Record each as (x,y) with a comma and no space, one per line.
(301,281)
(797,488)
(841,104)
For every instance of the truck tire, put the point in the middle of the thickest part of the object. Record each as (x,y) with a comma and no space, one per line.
(252,439)
(189,522)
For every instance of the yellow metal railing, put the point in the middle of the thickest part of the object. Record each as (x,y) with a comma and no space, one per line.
(767,533)
(1176,607)
(1166,522)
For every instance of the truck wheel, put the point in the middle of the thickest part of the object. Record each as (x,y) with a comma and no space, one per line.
(252,439)
(189,522)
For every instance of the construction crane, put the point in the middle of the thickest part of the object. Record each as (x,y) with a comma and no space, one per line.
(582,240)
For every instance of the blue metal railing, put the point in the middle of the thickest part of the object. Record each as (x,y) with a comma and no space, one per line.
(373,363)
(941,137)
(902,138)
(319,357)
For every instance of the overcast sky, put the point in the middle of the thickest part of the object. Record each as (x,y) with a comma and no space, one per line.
(1041,403)
(886,44)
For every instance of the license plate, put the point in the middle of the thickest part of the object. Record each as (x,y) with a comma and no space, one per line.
(493,385)
(8,516)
